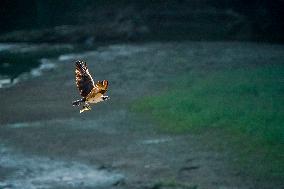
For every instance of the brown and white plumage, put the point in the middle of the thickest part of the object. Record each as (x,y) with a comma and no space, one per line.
(91,92)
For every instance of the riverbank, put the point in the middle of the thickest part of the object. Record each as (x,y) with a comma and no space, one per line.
(38,121)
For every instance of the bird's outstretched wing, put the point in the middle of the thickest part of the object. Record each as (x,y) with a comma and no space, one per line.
(84,80)
(102,86)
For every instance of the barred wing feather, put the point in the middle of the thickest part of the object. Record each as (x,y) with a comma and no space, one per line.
(84,80)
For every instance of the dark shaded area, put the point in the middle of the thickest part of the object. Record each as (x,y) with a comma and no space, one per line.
(87,20)
(23,59)
(15,69)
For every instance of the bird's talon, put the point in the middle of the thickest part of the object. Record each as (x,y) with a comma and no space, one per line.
(105,98)
(85,108)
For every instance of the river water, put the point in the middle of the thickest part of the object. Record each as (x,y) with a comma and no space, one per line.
(21,61)
(18,170)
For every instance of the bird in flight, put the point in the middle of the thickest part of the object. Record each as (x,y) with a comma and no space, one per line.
(92,93)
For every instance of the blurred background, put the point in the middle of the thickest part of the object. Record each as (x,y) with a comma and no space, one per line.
(196,91)
(82,21)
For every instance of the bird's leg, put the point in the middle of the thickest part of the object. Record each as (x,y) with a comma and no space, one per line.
(105,98)
(86,107)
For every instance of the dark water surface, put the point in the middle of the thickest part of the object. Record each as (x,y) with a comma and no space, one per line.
(19,61)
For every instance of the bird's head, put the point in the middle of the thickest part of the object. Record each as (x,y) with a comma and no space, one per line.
(105,84)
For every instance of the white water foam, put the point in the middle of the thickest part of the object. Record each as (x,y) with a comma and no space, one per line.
(26,47)
(45,65)
(75,56)
(106,53)
(37,172)
(156,141)
(7,46)
(7,82)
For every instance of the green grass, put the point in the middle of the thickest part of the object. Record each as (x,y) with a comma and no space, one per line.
(246,102)
(250,100)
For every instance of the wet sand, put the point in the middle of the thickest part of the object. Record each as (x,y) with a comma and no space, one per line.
(46,139)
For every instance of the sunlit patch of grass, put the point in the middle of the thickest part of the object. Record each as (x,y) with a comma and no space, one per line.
(250,100)
(246,102)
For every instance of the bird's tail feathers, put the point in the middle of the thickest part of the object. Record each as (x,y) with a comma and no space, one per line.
(78,102)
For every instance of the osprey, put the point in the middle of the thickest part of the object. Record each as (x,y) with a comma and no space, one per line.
(91,92)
